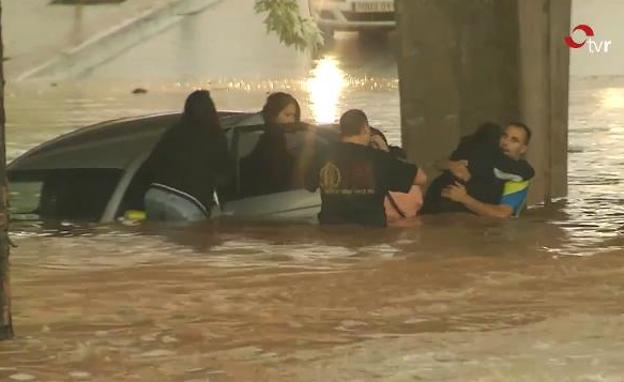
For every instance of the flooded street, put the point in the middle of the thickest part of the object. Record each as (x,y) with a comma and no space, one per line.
(443,298)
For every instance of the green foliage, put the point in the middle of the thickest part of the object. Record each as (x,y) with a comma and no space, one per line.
(293,30)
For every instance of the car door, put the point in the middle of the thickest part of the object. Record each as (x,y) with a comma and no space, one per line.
(252,194)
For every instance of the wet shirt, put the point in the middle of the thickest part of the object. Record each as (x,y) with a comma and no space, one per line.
(354,180)
(189,159)
(491,169)
(515,195)
(269,167)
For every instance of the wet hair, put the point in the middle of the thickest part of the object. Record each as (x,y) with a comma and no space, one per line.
(487,135)
(351,122)
(200,110)
(275,103)
(487,132)
(527,131)
(378,132)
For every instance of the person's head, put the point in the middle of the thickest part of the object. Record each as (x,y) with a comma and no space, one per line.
(515,140)
(378,140)
(354,127)
(488,133)
(281,108)
(200,110)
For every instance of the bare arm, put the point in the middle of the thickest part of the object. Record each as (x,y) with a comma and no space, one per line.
(421,178)
(458,193)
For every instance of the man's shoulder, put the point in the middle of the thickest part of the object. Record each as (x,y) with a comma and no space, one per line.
(509,169)
(352,149)
(525,163)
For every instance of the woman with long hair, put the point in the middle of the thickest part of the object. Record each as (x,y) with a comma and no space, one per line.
(188,163)
(270,166)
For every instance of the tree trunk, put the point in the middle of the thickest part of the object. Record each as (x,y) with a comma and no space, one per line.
(6,327)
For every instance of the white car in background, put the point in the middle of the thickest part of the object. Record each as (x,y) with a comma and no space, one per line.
(352,15)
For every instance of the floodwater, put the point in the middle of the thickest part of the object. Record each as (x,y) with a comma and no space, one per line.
(443,298)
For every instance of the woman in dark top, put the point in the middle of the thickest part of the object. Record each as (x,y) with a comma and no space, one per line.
(269,167)
(192,156)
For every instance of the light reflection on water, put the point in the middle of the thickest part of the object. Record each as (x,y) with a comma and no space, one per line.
(595,206)
(441,299)
(612,99)
(325,87)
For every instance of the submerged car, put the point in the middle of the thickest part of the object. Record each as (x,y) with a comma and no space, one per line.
(89,174)
(352,15)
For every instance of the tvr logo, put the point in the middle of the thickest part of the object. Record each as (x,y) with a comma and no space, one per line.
(593,45)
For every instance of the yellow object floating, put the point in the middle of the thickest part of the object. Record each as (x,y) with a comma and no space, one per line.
(135,215)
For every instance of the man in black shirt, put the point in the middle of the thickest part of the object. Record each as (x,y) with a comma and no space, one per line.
(355,178)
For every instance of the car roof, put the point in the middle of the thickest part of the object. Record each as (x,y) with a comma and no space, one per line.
(116,143)
(110,144)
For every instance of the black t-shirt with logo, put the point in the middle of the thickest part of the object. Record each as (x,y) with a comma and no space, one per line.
(354,180)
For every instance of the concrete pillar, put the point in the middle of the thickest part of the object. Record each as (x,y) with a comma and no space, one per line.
(463,62)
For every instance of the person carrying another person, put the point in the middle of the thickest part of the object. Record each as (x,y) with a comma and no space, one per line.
(269,167)
(354,178)
(480,164)
(187,164)
(513,189)
(397,205)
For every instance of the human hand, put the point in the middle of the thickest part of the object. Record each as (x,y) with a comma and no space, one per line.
(377,142)
(459,169)
(456,192)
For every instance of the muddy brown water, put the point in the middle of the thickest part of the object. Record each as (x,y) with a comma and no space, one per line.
(445,298)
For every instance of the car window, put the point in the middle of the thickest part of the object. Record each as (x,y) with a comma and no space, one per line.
(247,142)
(73,194)
(24,199)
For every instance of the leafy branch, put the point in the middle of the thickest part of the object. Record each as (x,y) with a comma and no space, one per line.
(283,18)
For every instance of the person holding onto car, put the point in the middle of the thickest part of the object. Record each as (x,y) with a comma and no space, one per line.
(270,167)
(398,205)
(354,178)
(187,164)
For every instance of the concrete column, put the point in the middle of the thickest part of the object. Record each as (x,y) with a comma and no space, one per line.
(544,90)
(463,62)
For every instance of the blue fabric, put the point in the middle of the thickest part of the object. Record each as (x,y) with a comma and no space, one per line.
(515,195)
